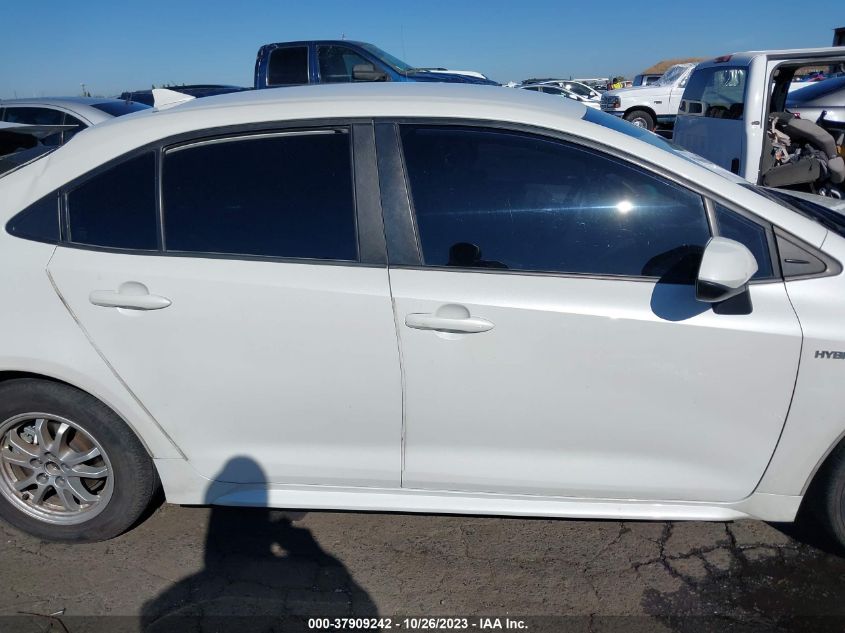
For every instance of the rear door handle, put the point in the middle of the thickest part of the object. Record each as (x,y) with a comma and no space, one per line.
(131,295)
(458,325)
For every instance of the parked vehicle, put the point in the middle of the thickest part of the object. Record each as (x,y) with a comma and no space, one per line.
(734,113)
(343,61)
(576,87)
(666,336)
(646,79)
(646,106)
(826,97)
(195,90)
(553,88)
(76,112)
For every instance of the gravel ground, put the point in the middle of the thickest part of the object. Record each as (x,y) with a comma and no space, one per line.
(252,566)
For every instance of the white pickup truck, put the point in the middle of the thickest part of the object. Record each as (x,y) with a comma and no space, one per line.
(734,113)
(646,106)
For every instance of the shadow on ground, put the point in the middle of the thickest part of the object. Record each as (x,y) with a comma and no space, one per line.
(260,570)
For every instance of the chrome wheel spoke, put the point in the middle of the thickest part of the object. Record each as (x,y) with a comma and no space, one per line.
(21,484)
(16,458)
(79,490)
(89,472)
(73,458)
(56,445)
(65,496)
(37,495)
(42,434)
(24,447)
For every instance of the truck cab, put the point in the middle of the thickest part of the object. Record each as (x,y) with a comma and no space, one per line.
(733,113)
(343,61)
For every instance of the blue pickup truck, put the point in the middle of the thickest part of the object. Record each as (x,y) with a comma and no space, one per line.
(343,61)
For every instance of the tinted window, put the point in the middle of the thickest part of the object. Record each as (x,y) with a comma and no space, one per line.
(337,62)
(281,196)
(39,221)
(116,208)
(119,108)
(719,89)
(288,66)
(747,232)
(38,116)
(500,199)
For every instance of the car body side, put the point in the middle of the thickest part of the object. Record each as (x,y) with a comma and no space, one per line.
(37,338)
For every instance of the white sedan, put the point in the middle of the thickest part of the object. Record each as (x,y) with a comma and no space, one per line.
(411,297)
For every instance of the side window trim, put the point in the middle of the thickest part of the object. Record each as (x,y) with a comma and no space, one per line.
(369,225)
(389,182)
(400,207)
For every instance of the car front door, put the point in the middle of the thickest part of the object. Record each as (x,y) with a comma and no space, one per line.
(551,340)
(249,310)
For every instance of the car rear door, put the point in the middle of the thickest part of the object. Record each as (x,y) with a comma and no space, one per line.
(551,339)
(245,302)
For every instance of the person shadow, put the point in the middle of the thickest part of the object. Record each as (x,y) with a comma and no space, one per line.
(261,572)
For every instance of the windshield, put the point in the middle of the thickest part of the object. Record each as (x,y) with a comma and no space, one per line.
(671,76)
(119,108)
(394,62)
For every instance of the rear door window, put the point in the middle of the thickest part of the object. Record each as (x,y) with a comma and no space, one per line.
(37,116)
(284,195)
(288,66)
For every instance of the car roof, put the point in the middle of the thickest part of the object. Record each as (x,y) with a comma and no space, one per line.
(80,106)
(296,106)
(745,57)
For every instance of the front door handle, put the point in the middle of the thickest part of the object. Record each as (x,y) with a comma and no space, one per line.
(130,295)
(456,325)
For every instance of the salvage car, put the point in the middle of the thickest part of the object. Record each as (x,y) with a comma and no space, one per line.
(734,113)
(75,113)
(412,297)
(820,100)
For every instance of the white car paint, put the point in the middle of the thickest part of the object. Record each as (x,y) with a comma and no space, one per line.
(593,397)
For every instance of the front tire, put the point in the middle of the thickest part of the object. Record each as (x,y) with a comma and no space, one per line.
(70,468)
(641,118)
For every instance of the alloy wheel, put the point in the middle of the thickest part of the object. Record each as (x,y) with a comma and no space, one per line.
(52,469)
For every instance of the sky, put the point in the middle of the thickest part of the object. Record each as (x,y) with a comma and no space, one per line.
(51,48)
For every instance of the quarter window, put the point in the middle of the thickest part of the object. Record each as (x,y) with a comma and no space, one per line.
(116,208)
(508,200)
(283,195)
(288,66)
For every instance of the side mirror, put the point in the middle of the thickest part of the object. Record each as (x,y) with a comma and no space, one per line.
(725,270)
(367,72)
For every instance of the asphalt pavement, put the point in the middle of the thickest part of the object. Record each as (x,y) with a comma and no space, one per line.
(184,568)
